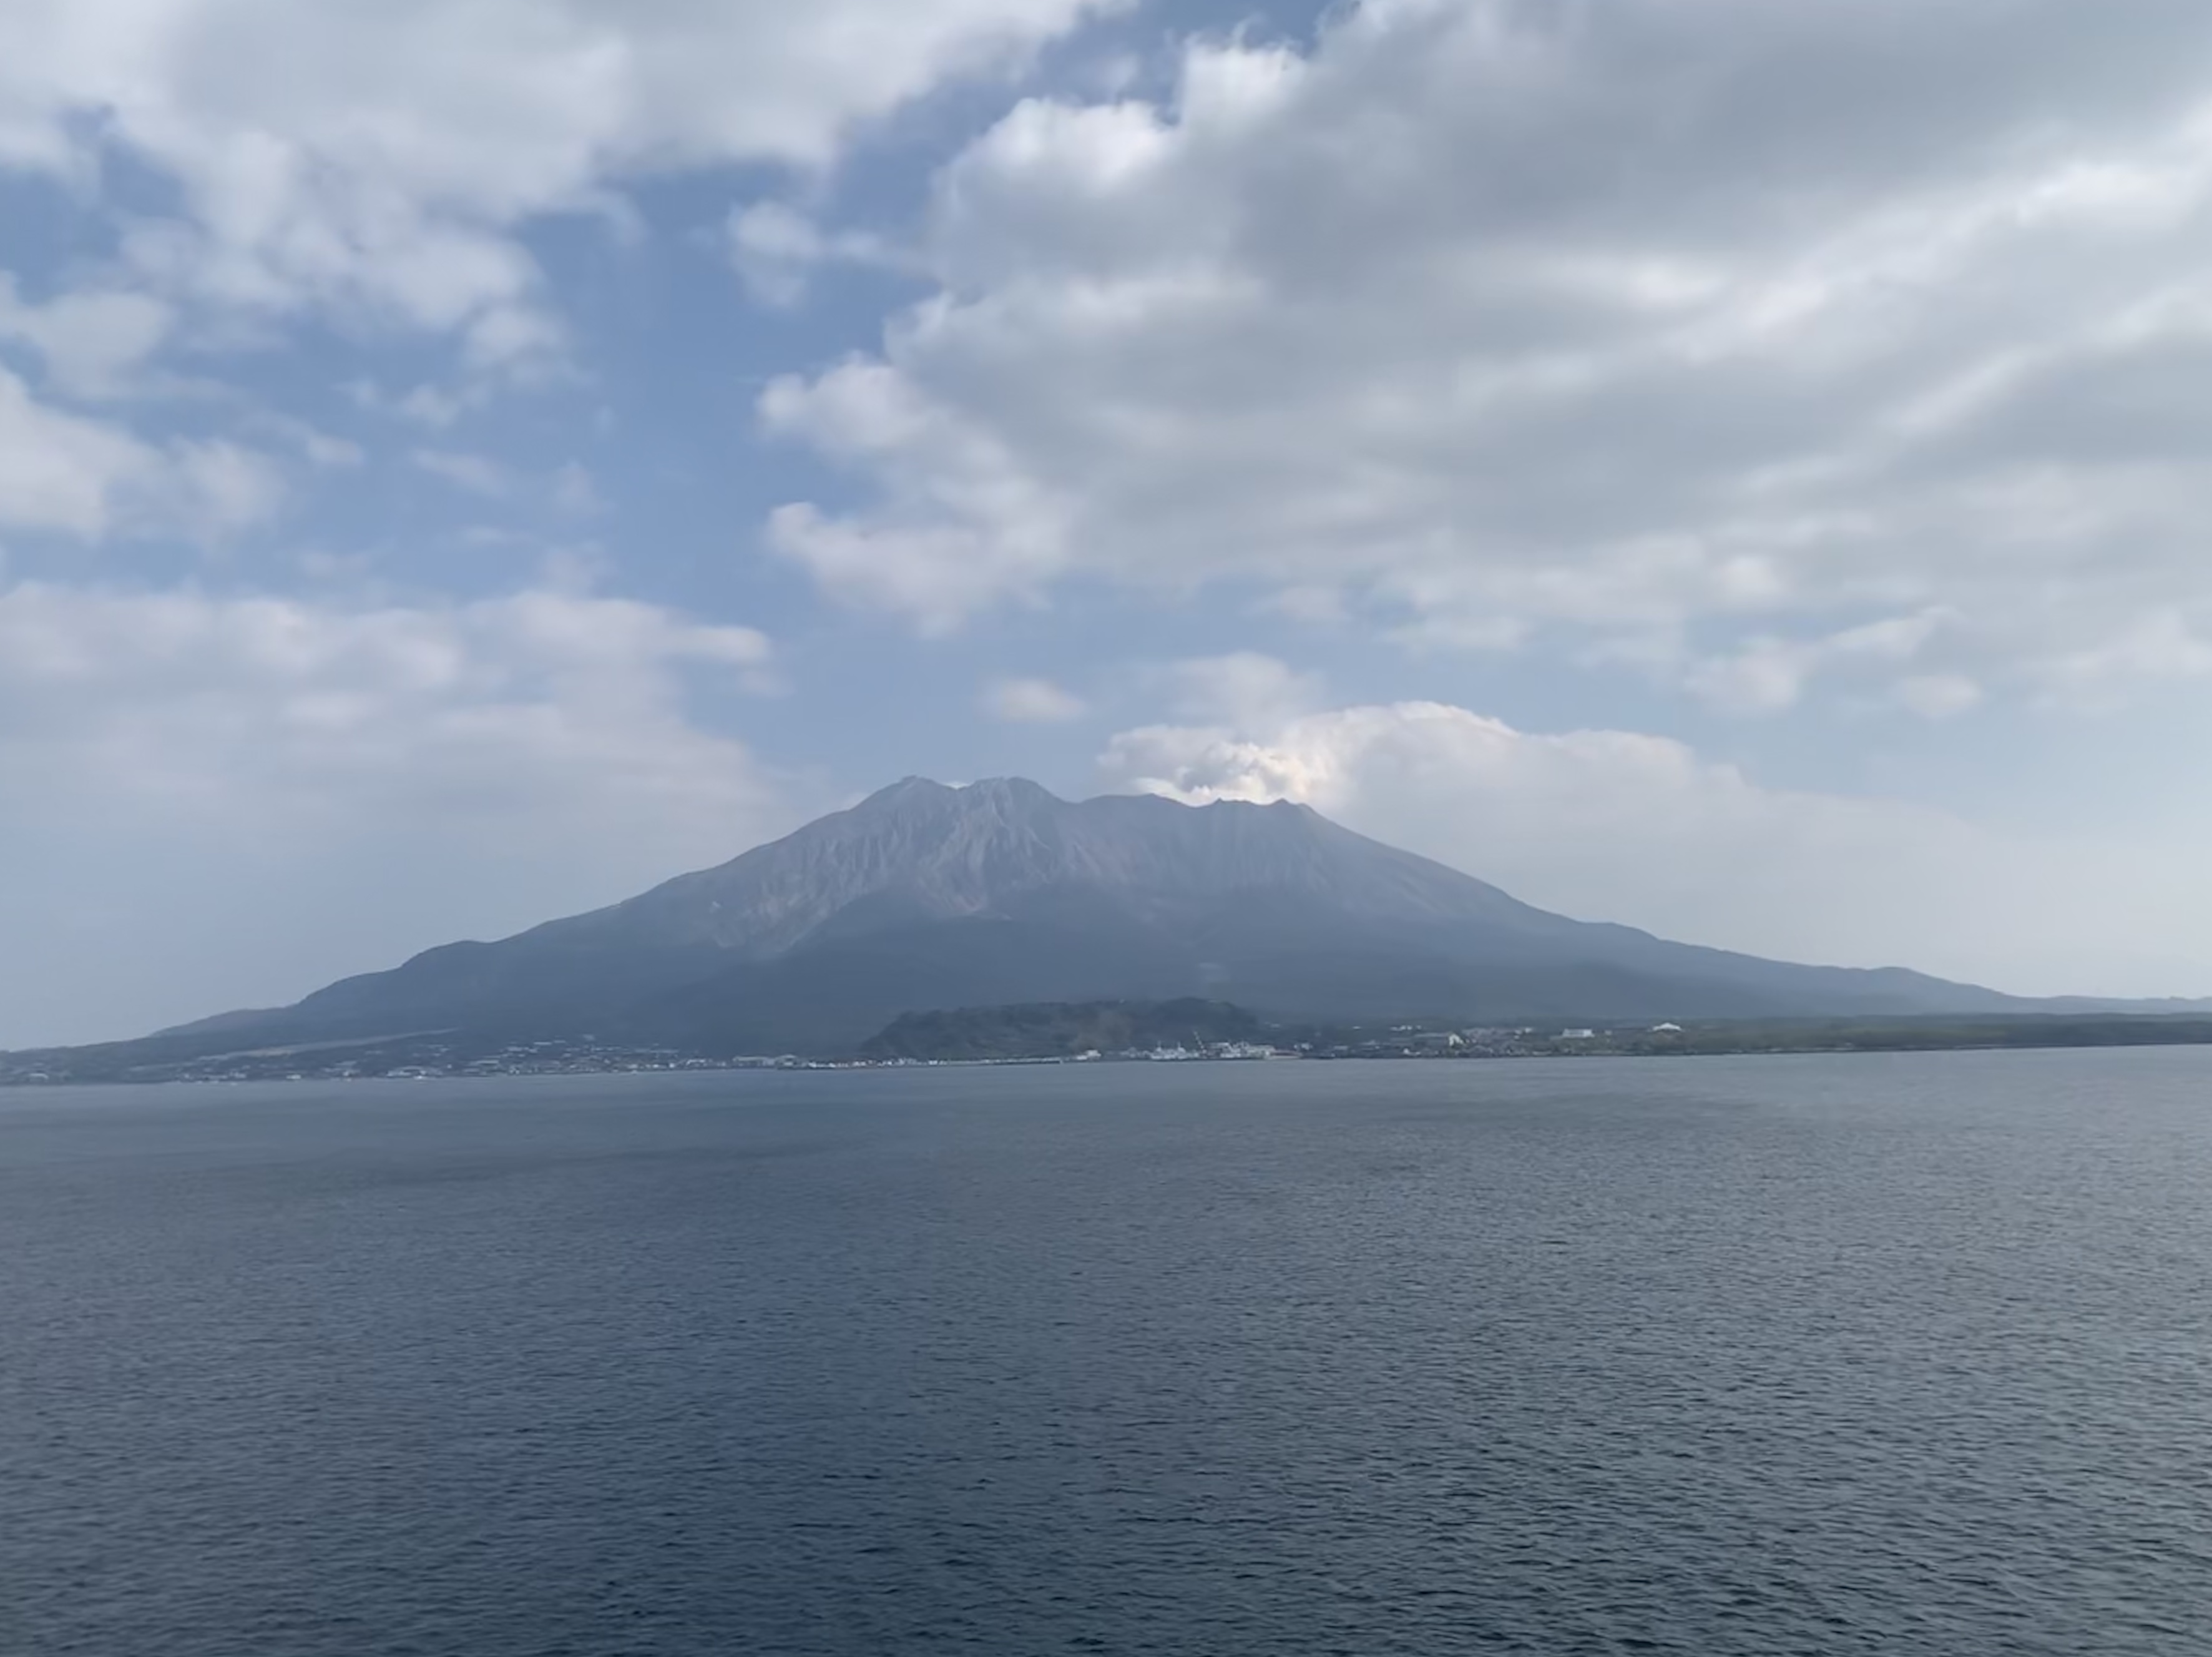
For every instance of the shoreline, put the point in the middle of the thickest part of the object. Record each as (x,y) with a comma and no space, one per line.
(228,1069)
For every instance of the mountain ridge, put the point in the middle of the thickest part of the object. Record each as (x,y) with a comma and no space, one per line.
(924,896)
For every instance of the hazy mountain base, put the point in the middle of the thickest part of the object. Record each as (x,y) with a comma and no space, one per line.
(925,897)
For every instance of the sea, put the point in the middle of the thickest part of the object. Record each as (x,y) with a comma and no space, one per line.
(1894,1354)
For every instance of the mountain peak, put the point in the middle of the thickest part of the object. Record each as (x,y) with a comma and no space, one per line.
(998,791)
(1004,791)
(1009,788)
(906,788)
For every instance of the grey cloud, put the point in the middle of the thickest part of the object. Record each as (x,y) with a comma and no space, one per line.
(1620,316)
(381,172)
(385,777)
(1621,825)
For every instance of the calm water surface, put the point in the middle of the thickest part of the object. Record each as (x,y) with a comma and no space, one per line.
(1874,1355)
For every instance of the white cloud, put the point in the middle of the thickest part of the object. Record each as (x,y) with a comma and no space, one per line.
(1632,324)
(352,781)
(476,473)
(66,474)
(218,489)
(331,452)
(375,159)
(1939,696)
(1244,688)
(569,489)
(1767,674)
(575,493)
(1031,702)
(427,406)
(92,341)
(59,471)
(776,249)
(1618,825)
(249,706)
(2165,645)
(929,564)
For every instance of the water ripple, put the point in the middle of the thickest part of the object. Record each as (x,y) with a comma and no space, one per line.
(1815,1356)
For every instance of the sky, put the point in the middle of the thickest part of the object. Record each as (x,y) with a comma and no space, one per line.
(1736,469)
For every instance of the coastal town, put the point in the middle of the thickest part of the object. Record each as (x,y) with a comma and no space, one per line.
(446,1056)
(449,1056)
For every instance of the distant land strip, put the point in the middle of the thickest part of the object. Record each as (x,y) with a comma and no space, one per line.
(1091,1032)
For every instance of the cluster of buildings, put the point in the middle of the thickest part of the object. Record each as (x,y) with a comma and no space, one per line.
(1502,1041)
(425,1060)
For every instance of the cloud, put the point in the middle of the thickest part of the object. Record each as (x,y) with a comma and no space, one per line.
(327,452)
(2164,645)
(1030,701)
(218,489)
(258,706)
(1768,674)
(1939,696)
(776,249)
(569,490)
(434,408)
(1244,688)
(92,341)
(381,172)
(352,781)
(66,474)
(931,564)
(60,471)
(1628,327)
(575,493)
(476,473)
(1620,826)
